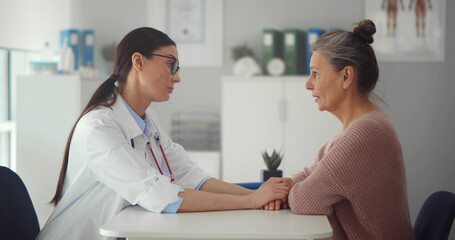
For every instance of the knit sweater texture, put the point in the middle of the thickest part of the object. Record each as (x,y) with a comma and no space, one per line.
(358,180)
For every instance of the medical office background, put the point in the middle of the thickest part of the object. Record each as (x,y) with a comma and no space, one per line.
(419,95)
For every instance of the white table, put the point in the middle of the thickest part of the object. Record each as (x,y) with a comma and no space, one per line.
(137,223)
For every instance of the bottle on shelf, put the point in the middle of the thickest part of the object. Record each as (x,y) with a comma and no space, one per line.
(67,61)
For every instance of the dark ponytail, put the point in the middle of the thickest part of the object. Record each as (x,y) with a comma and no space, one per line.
(143,40)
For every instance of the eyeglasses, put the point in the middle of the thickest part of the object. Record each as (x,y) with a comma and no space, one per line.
(174,65)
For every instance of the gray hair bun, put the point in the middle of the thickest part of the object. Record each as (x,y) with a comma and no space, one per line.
(365,30)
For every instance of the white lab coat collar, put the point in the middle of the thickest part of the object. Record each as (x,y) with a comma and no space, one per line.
(127,122)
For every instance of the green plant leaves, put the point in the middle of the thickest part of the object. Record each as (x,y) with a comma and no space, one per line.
(240,51)
(272,162)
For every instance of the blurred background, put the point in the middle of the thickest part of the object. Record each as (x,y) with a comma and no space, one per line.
(205,113)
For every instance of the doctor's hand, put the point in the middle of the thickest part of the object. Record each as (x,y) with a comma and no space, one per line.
(276,205)
(273,189)
(279,203)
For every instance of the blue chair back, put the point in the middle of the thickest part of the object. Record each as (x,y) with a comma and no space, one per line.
(17,216)
(250,185)
(435,217)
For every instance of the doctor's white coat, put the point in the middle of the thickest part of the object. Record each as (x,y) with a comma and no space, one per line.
(110,167)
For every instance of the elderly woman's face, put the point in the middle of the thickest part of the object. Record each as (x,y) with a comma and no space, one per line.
(325,83)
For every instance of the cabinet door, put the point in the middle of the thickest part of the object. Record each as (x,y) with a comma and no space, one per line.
(306,128)
(47,108)
(250,124)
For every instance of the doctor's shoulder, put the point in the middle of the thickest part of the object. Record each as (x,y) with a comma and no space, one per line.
(99,117)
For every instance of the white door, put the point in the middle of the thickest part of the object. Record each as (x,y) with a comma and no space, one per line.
(250,124)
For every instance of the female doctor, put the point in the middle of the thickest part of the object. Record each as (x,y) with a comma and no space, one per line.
(117,154)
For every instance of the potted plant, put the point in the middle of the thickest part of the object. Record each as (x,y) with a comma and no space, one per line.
(244,61)
(272,162)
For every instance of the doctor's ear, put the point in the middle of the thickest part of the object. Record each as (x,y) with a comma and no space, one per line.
(348,76)
(137,60)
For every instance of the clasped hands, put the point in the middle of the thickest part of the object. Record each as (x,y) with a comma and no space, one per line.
(274,194)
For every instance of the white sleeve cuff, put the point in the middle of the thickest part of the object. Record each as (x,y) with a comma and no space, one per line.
(160,195)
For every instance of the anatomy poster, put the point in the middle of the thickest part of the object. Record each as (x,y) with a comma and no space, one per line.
(408,30)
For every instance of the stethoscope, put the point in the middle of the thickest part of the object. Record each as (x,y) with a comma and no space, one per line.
(157,139)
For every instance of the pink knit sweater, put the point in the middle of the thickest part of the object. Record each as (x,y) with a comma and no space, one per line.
(358,180)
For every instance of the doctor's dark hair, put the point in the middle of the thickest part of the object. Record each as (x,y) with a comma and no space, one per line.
(143,40)
(345,48)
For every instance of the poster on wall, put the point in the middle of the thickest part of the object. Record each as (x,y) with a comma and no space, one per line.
(186,20)
(196,26)
(408,30)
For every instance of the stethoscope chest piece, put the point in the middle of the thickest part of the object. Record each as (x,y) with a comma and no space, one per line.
(158,141)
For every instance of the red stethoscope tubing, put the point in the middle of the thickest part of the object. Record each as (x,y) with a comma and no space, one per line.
(165,159)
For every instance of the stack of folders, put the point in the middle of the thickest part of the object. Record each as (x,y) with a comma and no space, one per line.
(271,47)
(313,35)
(197,131)
(82,43)
(87,44)
(294,45)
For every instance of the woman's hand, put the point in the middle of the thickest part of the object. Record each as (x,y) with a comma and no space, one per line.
(279,203)
(275,205)
(288,181)
(273,189)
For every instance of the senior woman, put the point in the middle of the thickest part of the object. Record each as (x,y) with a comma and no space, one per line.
(358,178)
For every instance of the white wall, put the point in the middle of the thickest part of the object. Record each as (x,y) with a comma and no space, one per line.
(29,24)
(110,19)
(419,95)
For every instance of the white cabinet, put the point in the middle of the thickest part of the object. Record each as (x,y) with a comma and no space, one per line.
(47,107)
(263,113)
(207,160)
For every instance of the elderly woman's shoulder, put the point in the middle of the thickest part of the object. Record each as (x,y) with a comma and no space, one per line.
(372,135)
(374,118)
(374,125)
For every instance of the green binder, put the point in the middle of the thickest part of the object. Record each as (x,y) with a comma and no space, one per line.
(271,47)
(294,45)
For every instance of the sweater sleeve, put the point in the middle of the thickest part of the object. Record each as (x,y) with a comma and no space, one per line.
(316,194)
(302,175)
(323,187)
(354,167)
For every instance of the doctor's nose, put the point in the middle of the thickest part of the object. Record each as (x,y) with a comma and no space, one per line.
(176,78)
